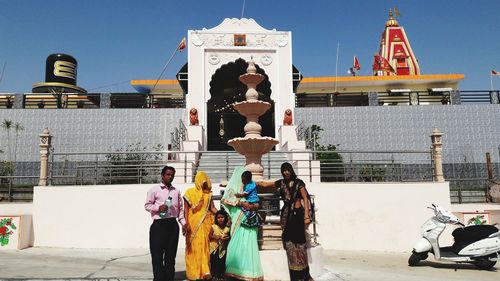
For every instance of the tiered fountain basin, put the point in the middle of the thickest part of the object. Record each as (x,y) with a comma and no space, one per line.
(252,107)
(253,145)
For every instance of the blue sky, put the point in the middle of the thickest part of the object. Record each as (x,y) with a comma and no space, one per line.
(117,41)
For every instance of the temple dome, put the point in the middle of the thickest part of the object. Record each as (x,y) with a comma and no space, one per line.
(391,21)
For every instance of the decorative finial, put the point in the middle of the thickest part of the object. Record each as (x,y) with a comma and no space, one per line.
(251,66)
(391,21)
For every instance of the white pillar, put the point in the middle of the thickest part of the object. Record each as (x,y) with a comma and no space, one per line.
(44,156)
(437,149)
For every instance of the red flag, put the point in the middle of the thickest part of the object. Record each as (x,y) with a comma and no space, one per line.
(355,64)
(388,66)
(377,63)
(495,73)
(381,63)
(182,44)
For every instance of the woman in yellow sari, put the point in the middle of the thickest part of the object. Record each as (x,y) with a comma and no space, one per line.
(198,211)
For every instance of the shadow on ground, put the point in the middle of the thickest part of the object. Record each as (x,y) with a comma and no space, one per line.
(455,266)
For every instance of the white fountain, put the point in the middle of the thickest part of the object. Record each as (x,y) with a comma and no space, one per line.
(252,145)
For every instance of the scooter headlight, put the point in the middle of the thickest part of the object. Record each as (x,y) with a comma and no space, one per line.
(442,218)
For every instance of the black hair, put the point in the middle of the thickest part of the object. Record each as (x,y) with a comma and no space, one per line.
(287,166)
(247,176)
(224,214)
(167,168)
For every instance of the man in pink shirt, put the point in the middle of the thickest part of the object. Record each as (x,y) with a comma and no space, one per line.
(164,202)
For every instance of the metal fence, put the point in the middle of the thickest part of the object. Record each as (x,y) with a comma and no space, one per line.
(85,168)
(469,182)
(17,188)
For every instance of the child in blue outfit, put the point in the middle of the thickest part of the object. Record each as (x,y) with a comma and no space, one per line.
(249,195)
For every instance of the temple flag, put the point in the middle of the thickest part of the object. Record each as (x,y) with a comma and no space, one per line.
(377,62)
(182,44)
(388,66)
(356,64)
(376,65)
(396,12)
(495,73)
(381,63)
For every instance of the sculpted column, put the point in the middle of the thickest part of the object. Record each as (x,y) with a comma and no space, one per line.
(437,149)
(44,156)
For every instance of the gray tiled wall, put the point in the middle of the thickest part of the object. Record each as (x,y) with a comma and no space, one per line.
(469,130)
(353,128)
(77,130)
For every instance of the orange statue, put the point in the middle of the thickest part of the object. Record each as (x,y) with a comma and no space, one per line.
(287,120)
(193,116)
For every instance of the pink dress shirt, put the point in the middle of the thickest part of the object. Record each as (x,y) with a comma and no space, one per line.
(157,196)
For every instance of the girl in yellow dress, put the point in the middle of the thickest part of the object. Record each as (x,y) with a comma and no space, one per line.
(219,237)
(198,210)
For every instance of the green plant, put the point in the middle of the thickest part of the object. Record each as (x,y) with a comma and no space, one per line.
(128,167)
(372,173)
(331,162)
(6,169)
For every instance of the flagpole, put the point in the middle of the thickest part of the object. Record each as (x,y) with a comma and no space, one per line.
(164,68)
(491,82)
(337,66)
(243,9)
(3,71)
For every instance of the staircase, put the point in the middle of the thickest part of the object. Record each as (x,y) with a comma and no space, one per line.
(270,234)
(219,165)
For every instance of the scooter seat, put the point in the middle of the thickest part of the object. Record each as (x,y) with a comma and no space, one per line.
(473,233)
(470,234)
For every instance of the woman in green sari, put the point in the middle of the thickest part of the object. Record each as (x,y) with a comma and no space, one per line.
(242,260)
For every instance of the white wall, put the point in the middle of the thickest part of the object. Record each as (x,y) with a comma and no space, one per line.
(99,216)
(13,209)
(381,217)
(375,216)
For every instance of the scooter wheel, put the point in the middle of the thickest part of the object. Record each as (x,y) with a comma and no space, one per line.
(485,264)
(414,259)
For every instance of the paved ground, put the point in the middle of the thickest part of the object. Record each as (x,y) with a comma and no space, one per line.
(134,264)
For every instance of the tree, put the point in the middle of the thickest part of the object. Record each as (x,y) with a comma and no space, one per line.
(8,166)
(17,127)
(61,98)
(7,125)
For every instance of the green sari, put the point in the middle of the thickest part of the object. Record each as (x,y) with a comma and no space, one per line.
(242,260)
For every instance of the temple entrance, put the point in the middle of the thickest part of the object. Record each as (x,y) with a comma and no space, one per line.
(225,123)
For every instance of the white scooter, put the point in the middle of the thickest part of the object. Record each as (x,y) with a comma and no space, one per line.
(477,244)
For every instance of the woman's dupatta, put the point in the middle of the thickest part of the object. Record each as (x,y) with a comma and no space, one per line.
(229,200)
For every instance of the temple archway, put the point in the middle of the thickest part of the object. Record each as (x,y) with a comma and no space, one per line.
(225,123)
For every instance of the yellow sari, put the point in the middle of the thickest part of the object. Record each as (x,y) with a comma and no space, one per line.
(200,220)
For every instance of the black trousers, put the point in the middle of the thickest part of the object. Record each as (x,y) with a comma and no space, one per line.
(163,240)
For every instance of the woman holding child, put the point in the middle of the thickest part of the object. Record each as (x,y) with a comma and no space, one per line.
(198,211)
(242,259)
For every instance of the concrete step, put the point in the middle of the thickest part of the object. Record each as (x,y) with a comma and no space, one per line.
(270,237)
(219,166)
